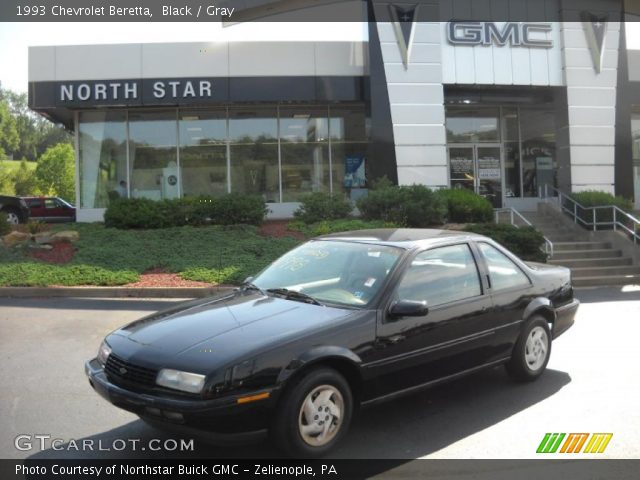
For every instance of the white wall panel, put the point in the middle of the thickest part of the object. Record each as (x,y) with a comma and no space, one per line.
(190,60)
(418,73)
(260,59)
(424,175)
(415,155)
(417,114)
(418,134)
(42,63)
(97,62)
(415,93)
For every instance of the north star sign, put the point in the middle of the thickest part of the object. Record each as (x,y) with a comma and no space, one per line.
(96,92)
(516,34)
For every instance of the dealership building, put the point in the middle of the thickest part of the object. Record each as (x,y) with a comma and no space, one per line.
(508,109)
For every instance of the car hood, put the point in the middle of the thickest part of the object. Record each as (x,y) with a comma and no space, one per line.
(222,328)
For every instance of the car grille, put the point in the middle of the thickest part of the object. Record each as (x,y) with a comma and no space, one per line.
(119,371)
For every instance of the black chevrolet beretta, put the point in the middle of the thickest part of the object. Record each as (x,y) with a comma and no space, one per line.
(342,321)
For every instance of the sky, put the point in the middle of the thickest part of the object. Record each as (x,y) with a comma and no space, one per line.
(15,38)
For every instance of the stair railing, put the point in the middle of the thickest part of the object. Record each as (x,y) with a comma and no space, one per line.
(515,215)
(590,221)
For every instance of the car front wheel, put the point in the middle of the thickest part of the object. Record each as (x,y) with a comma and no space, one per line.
(531,352)
(314,414)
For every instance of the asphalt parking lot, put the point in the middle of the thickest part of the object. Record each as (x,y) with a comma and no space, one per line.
(591,385)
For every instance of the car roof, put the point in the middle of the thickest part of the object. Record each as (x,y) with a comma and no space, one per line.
(403,237)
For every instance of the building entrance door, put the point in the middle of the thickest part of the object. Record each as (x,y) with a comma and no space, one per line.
(477,167)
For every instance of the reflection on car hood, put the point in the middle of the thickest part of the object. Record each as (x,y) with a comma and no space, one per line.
(223,327)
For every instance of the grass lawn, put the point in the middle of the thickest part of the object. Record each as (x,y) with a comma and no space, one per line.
(13,165)
(106,256)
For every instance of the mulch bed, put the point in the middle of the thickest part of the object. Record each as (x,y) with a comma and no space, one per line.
(279,228)
(156,277)
(60,254)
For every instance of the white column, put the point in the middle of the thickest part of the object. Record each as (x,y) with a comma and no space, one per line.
(591,99)
(416,98)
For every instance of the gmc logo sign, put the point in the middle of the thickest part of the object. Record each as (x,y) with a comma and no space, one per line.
(515,34)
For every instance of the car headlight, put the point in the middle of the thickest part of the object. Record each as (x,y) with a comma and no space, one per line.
(185,381)
(103,352)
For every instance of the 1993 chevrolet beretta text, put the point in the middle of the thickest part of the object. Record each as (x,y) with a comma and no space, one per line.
(341,321)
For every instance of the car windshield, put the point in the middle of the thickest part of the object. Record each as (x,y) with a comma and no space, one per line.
(331,272)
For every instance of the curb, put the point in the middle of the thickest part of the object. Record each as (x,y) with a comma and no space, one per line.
(114,292)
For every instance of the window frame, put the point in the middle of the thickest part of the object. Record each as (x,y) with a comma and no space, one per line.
(487,274)
(393,296)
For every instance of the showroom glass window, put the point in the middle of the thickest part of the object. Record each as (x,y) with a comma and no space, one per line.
(511,142)
(635,148)
(102,142)
(349,131)
(539,167)
(473,125)
(153,154)
(203,152)
(304,150)
(253,148)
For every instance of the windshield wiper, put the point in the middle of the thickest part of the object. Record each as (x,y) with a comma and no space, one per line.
(294,295)
(253,286)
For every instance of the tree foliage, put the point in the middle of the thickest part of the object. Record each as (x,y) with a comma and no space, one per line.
(9,139)
(55,172)
(34,133)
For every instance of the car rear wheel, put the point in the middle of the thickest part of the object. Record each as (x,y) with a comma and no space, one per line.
(12,216)
(314,414)
(531,352)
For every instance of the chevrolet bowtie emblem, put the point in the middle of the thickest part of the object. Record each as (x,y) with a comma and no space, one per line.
(123,370)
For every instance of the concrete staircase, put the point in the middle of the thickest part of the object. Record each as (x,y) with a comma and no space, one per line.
(595,258)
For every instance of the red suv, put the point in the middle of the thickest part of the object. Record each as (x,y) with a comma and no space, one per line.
(50,209)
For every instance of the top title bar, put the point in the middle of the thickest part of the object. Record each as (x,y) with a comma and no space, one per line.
(233,11)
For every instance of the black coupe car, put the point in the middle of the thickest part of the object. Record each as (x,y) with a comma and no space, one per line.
(342,321)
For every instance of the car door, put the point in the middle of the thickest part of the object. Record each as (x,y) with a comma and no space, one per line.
(511,291)
(36,208)
(55,211)
(452,337)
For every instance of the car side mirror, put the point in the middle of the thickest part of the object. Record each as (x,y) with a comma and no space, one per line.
(249,279)
(408,308)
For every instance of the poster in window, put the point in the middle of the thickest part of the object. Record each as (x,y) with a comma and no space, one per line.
(354,172)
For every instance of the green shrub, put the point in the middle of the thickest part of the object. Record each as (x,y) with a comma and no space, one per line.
(415,206)
(526,242)
(340,225)
(5,226)
(595,198)
(237,209)
(465,206)
(318,206)
(380,183)
(144,213)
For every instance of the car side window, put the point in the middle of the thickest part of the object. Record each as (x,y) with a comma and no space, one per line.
(503,273)
(441,275)
(34,204)
(50,203)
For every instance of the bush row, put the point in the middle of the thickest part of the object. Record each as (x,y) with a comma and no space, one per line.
(230,209)
(596,198)
(526,242)
(412,206)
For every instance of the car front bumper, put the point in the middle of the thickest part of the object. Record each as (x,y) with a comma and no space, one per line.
(221,417)
(565,317)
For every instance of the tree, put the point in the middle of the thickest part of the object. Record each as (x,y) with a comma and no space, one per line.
(9,139)
(24,181)
(35,132)
(55,173)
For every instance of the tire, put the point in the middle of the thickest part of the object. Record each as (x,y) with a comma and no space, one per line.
(531,352)
(331,406)
(13,217)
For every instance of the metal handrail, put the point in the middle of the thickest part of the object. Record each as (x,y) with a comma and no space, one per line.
(616,214)
(513,213)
